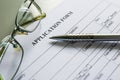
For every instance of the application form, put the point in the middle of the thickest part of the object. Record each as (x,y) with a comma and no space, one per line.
(47,59)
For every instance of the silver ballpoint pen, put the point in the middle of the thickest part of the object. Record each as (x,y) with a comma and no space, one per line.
(87,37)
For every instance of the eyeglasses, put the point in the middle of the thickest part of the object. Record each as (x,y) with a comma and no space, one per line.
(11,52)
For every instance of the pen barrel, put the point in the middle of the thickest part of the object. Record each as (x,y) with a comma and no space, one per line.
(87,37)
(96,38)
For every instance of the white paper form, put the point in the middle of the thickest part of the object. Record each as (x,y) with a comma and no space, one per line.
(47,59)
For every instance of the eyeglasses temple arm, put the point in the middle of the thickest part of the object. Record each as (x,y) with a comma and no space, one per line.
(28,6)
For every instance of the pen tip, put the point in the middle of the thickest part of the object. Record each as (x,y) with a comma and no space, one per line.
(50,37)
(53,37)
(56,37)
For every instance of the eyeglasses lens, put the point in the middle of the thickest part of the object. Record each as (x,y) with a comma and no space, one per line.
(29,15)
(10,62)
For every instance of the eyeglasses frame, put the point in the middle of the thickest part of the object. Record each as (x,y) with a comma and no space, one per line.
(18,29)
